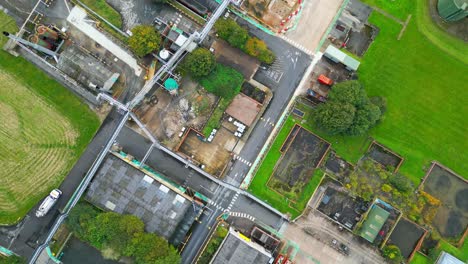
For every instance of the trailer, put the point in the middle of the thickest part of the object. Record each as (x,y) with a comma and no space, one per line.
(325,80)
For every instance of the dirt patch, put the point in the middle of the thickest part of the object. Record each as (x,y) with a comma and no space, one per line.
(298,163)
(271,12)
(452,217)
(213,155)
(338,166)
(406,236)
(166,118)
(359,41)
(384,156)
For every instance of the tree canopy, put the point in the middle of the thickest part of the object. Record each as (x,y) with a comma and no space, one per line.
(223,81)
(199,63)
(121,234)
(258,48)
(348,110)
(238,37)
(144,40)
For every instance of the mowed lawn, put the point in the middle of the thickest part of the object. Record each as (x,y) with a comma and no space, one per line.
(426,92)
(43,130)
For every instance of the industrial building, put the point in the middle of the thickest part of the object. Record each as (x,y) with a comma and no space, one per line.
(239,249)
(121,187)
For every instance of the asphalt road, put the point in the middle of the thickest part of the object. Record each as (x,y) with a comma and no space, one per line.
(222,199)
(282,78)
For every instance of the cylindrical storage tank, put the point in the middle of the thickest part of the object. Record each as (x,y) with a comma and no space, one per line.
(452,10)
(164,54)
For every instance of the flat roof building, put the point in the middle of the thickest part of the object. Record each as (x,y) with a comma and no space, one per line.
(239,249)
(122,188)
(374,222)
(244,109)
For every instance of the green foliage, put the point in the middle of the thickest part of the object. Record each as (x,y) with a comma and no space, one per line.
(348,110)
(392,253)
(213,245)
(144,40)
(402,183)
(335,117)
(118,235)
(105,10)
(258,48)
(386,188)
(80,217)
(12,260)
(149,248)
(225,27)
(223,81)
(349,92)
(238,37)
(214,122)
(380,102)
(199,63)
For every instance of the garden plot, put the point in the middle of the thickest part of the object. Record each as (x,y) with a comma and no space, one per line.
(370,180)
(342,208)
(338,166)
(384,156)
(452,217)
(406,236)
(297,164)
(253,92)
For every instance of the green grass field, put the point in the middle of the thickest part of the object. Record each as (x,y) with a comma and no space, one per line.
(44,130)
(424,86)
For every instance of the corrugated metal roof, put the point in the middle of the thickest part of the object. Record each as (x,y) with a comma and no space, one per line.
(374,222)
(342,57)
(446,258)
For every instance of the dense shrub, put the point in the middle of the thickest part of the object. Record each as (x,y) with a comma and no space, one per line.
(402,183)
(223,81)
(347,111)
(392,253)
(199,63)
(144,40)
(238,37)
(119,235)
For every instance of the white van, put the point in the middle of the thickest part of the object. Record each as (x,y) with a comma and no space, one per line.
(48,202)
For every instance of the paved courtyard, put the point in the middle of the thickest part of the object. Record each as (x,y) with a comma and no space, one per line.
(312,235)
(315,18)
